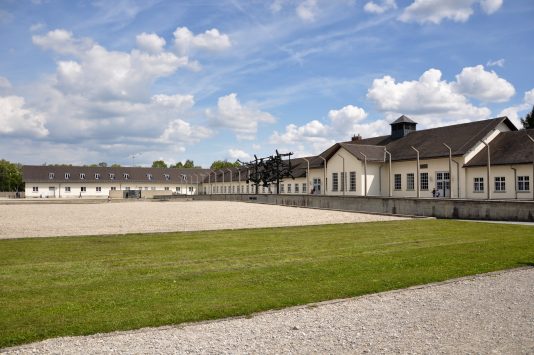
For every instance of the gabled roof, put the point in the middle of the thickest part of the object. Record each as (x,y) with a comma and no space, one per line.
(370,152)
(460,137)
(512,147)
(403,119)
(40,173)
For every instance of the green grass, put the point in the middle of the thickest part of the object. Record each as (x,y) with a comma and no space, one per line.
(81,285)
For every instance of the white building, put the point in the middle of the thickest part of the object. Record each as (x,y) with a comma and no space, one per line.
(446,162)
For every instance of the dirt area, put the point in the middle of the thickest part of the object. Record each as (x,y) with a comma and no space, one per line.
(46,220)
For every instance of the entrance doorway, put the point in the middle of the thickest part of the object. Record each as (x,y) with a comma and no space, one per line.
(443,183)
(316,186)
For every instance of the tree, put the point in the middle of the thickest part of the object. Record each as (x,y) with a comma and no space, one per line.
(189,164)
(103,164)
(178,165)
(528,120)
(10,176)
(221,164)
(159,164)
(115,165)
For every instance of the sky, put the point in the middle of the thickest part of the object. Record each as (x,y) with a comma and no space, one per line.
(130,82)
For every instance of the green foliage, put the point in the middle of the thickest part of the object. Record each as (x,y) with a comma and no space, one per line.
(189,164)
(178,165)
(115,165)
(528,120)
(103,164)
(10,176)
(159,164)
(220,164)
(61,286)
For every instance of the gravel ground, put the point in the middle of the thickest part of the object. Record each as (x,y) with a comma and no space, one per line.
(491,313)
(46,220)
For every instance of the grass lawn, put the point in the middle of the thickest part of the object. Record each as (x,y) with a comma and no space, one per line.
(53,287)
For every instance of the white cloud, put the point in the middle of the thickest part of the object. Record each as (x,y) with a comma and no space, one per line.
(433,101)
(242,119)
(62,41)
(307,10)
(383,6)
(238,154)
(513,112)
(314,135)
(177,102)
(211,40)
(435,11)
(346,116)
(150,42)
(180,131)
(483,85)
(15,119)
(490,6)
(37,27)
(496,63)
(277,5)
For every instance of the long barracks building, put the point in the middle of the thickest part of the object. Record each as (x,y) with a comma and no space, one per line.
(489,159)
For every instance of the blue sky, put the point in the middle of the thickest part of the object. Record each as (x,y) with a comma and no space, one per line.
(88,81)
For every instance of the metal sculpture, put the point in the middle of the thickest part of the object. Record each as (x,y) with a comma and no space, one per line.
(269,170)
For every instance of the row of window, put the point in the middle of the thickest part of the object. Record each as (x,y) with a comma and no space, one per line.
(293,188)
(126,176)
(336,186)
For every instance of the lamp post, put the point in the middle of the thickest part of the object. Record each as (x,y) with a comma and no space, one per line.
(389,175)
(488,169)
(231,179)
(364,173)
(418,189)
(307,176)
(324,175)
(343,185)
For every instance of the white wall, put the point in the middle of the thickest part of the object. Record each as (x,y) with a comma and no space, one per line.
(505,171)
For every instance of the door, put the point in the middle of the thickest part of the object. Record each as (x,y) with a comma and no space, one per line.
(316,186)
(52,191)
(443,184)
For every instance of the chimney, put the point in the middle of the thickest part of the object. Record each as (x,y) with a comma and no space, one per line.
(356,138)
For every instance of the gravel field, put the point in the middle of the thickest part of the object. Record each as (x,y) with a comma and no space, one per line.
(491,313)
(46,220)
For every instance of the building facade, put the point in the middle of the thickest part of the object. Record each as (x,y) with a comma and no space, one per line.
(489,159)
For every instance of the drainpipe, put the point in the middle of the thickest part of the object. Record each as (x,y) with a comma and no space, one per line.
(418,189)
(389,177)
(450,170)
(458,177)
(324,175)
(515,181)
(532,183)
(364,173)
(489,170)
(307,176)
(343,159)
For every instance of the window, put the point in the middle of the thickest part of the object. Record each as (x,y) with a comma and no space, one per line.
(112,176)
(167,176)
(249,190)
(149,176)
(397,182)
(126,176)
(500,184)
(523,183)
(113,188)
(177,188)
(478,184)
(35,189)
(67,188)
(52,188)
(304,188)
(263,189)
(98,189)
(67,176)
(51,176)
(410,183)
(166,188)
(335,186)
(296,188)
(288,188)
(281,188)
(82,176)
(97,176)
(424,181)
(352,181)
(190,188)
(83,189)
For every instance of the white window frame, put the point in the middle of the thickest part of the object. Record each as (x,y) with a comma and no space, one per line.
(51,176)
(67,176)
(410,182)
(523,183)
(35,188)
(478,184)
(97,176)
(423,180)
(397,182)
(67,189)
(335,182)
(500,183)
(83,189)
(99,189)
(82,176)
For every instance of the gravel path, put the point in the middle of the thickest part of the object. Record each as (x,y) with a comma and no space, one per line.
(46,220)
(491,313)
